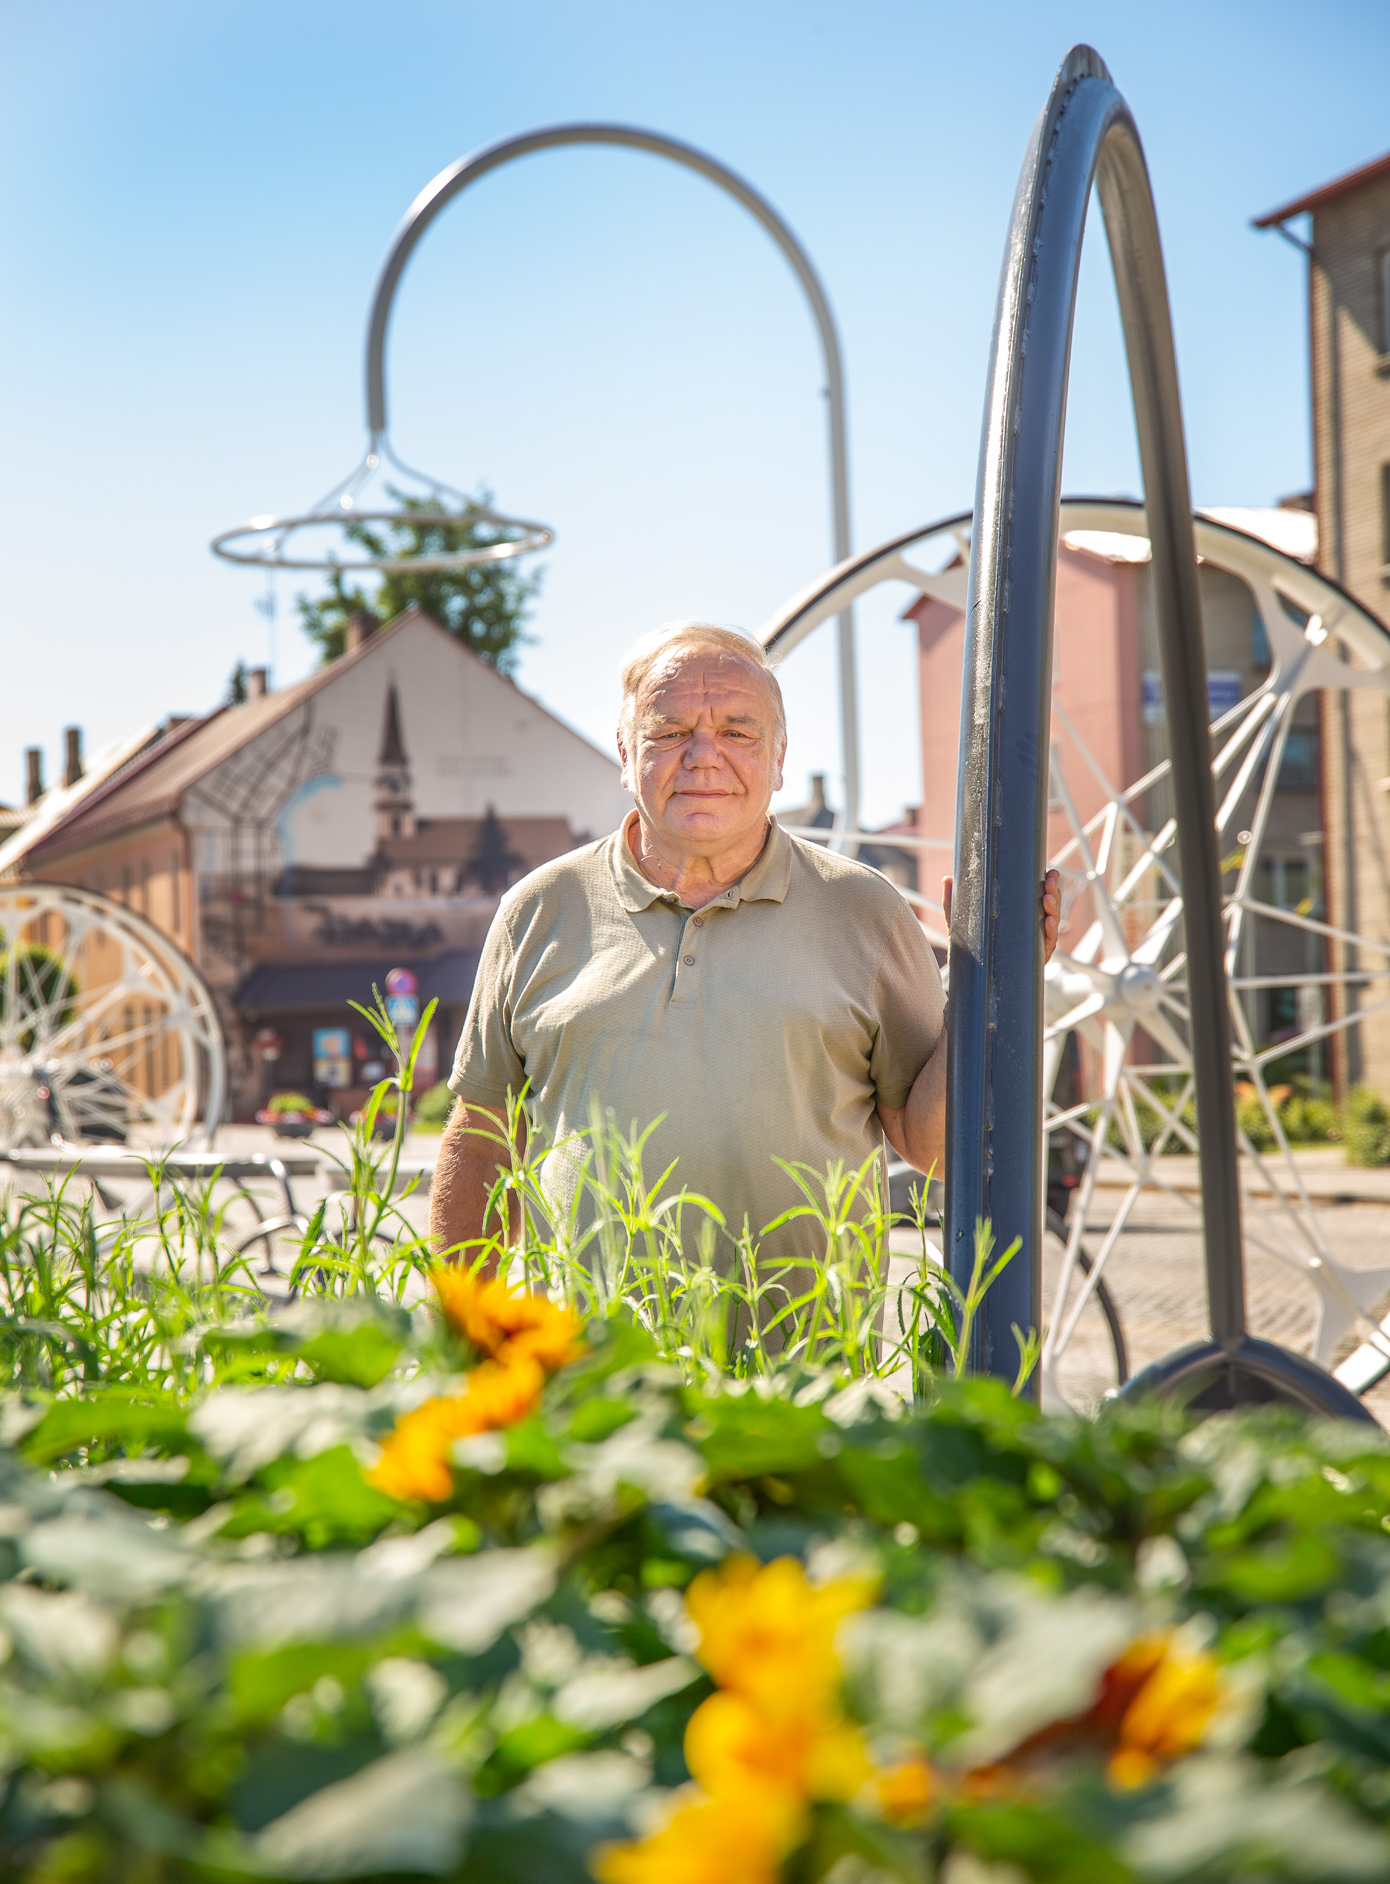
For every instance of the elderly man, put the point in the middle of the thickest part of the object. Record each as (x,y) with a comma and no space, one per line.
(765,997)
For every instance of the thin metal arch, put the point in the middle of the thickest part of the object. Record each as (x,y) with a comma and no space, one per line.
(451,182)
(1084,136)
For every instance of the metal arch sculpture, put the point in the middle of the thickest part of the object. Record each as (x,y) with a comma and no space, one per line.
(1084,136)
(480,163)
(268,535)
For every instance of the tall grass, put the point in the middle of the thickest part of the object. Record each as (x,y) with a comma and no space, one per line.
(123,1302)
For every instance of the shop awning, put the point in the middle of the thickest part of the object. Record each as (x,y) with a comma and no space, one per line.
(288,987)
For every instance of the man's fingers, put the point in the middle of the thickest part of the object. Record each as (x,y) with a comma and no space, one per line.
(1051,911)
(947,885)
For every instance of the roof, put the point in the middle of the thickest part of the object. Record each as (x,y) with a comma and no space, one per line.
(120,759)
(1295,532)
(287,987)
(1350,184)
(453,841)
(154,785)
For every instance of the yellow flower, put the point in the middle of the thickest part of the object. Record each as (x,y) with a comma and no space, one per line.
(739,1838)
(504,1325)
(768,1634)
(731,1746)
(906,1791)
(1176,1698)
(415,1461)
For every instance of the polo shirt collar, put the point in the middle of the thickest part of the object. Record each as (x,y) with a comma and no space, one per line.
(767,882)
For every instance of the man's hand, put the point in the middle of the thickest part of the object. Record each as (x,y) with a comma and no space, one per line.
(1050,904)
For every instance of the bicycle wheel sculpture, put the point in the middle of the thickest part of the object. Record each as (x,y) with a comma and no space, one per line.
(1116,986)
(996,1109)
(108,1034)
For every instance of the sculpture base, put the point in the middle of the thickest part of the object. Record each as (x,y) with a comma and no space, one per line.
(1211,1376)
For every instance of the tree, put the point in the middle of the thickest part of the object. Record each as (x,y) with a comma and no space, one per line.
(484,604)
(237,688)
(493,861)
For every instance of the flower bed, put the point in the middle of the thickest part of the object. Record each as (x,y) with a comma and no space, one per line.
(616,1586)
(487,1595)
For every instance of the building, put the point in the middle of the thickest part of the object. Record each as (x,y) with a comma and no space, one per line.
(1348,254)
(301,845)
(1108,727)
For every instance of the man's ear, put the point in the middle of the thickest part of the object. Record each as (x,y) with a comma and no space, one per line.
(777,768)
(625,781)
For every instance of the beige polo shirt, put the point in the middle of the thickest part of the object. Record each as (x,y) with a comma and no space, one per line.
(768,1024)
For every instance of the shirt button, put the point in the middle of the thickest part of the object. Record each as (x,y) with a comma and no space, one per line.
(699,922)
(690,961)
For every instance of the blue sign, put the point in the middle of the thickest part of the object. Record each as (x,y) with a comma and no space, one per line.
(1225,689)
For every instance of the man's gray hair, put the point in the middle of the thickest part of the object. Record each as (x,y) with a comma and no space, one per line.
(678,637)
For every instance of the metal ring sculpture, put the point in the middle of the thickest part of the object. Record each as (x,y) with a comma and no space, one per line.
(1085,135)
(107,1031)
(1119,985)
(340,506)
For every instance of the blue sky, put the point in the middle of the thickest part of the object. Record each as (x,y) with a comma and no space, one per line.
(194,202)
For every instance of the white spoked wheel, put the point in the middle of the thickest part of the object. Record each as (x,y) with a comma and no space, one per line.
(1117,1064)
(108,1034)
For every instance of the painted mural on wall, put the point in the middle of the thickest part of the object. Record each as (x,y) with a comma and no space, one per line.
(366,821)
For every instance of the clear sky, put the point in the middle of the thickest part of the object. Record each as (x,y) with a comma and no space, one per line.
(195,199)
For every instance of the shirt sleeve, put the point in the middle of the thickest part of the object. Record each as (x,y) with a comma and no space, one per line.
(487,1066)
(911,1006)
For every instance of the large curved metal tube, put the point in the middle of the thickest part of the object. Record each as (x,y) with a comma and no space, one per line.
(449,183)
(1084,135)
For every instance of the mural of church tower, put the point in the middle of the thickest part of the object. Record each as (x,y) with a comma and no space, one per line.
(395,796)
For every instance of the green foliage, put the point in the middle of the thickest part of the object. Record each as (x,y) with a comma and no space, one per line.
(226,1654)
(238,686)
(43,986)
(240,1660)
(484,604)
(1366,1127)
(292,1102)
(432,1113)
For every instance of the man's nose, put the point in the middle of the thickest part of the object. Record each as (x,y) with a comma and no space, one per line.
(703,748)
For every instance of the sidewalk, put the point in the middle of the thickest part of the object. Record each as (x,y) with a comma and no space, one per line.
(1326,1175)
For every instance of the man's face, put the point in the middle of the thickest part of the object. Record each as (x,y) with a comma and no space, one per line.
(705,758)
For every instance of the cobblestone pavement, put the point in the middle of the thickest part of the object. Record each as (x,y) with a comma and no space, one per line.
(1156,1279)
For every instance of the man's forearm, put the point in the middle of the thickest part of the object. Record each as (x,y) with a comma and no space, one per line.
(917,1131)
(471,1153)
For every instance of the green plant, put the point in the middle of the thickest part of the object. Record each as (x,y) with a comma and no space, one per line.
(44,985)
(1121,1651)
(432,1112)
(1366,1127)
(484,604)
(292,1102)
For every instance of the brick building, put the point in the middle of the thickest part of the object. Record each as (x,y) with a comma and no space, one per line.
(300,845)
(1348,251)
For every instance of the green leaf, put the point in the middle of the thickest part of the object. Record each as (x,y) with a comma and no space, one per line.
(326,1500)
(111,1417)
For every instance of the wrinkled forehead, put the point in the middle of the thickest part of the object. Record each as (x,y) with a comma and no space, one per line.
(689,680)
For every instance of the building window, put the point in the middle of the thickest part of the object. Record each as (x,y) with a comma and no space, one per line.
(144,886)
(1298,769)
(1259,641)
(175,898)
(1385,516)
(1383,272)
(125,884)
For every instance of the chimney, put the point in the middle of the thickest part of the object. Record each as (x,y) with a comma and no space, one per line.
(817,804)
(361,626)
(256,683)
(33,759)
(72,768)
